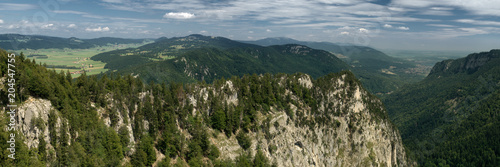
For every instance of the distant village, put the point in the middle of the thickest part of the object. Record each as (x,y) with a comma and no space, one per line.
(84,67)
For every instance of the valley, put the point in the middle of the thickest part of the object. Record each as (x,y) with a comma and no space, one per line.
(194,100)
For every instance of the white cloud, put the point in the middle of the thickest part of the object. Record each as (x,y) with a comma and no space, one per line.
(344,33)
(99,29)
(480,7)
(203,32)
(474,30)
(441,25)
(340,2)
(403,28)
(387,26)
(113,1)
(363,30)
(47,26)
(72,26)
(268,30)
(180,15)
(69,12)
(1,21)
(15,6)
(478,22)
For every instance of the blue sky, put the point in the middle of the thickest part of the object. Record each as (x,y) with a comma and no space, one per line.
(472,25)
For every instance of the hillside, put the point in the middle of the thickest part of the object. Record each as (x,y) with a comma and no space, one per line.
(251,120)
(207,64)
(203,58)
(379,72)
(17,42)
(452,117)
(164,49)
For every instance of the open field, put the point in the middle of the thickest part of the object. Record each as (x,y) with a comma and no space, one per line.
(74,60)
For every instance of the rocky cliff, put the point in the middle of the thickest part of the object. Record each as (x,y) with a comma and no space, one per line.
(346,129)
(468,64)
(331,121)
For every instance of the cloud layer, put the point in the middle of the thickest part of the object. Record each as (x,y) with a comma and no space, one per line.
(369,21)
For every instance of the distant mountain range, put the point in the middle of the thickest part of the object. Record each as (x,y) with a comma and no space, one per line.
(452,116)
(379,72)
(17,41)
(196,58)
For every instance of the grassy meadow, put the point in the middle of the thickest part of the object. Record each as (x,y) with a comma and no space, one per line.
(74,59)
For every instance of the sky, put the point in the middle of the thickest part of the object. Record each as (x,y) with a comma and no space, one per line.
(454,25)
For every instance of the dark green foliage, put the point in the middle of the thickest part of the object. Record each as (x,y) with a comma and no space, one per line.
(260,160)
(164,163)
(123,134)
(243,140)
(165,109)
(213,153)
(246,160)
(206,58)
(451,117)
(367,63)
(219,120)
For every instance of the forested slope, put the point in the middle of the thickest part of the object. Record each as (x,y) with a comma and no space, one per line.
(452,116)
(120,121)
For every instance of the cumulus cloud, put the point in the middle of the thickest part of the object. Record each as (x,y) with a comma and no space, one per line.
(72,26)
(344,33)
(46,26)
(1,21)
(387,26)
(99,29)
(179,15)
(404,28)
(363,30)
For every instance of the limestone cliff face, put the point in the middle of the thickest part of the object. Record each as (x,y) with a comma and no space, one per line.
(32,121)
(469,64)
(349,128)
(341,125)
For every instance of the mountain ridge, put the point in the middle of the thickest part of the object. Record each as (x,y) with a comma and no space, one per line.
(380,73)
(18,41)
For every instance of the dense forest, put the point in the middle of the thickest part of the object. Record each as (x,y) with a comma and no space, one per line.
(367,63)
(78,136)
(314,58)
(99,145)
(452,117)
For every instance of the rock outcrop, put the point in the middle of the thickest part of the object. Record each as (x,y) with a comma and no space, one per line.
(468,64)
(32,121)
(349,129)
(336,122)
